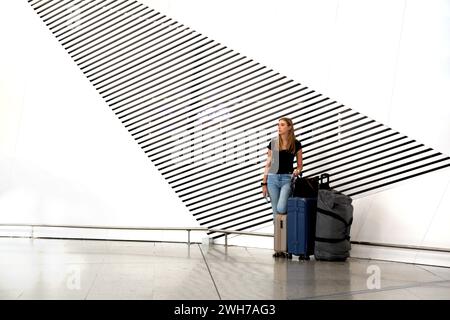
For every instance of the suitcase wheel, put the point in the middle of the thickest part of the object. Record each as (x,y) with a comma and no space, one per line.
(282,255)
(277,254)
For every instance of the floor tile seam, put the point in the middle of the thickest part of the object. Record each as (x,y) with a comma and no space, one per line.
(434,274)
(95,279)
(410,292)
(21,294)
(402,262)
(391,288)
(210,273)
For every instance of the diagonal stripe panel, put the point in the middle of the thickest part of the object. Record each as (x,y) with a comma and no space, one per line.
(203,113)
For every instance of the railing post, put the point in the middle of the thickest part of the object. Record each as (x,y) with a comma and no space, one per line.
(32,232)
(189,236)
(226,239)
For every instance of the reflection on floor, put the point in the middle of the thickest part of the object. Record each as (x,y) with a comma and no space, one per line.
(81,269)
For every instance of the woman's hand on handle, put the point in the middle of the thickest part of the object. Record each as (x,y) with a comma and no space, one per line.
(264,191)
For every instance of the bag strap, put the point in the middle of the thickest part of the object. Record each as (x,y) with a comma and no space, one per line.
(335,216)
(291,191)
(331,240)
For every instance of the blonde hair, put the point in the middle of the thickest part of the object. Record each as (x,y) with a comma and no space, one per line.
(291,136)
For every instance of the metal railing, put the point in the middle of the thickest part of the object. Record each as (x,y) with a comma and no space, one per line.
(189,229)
(228,232)
(33,226)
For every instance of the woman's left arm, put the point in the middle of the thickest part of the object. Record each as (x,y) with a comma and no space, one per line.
(299,162)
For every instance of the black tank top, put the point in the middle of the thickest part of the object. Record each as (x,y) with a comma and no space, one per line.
(282,160)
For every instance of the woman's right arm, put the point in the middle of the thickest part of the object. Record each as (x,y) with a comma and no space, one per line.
(267,167)
(266,170)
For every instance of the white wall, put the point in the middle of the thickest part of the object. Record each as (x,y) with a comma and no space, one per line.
(65,158)
(386,59)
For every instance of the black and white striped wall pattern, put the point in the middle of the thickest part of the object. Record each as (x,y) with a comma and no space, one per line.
(204,114)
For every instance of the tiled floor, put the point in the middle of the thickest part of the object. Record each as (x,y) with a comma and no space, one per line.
(80,269)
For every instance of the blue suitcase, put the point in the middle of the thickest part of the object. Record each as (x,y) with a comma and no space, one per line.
(301,226)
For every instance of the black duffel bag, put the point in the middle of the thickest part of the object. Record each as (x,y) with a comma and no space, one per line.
(307,187)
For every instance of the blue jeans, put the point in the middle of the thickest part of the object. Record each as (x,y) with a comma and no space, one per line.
(279,188)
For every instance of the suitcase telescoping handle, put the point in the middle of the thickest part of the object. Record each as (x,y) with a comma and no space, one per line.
(322,184)
(325,176)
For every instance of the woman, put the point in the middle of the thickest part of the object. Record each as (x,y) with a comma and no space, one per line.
(279,166)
